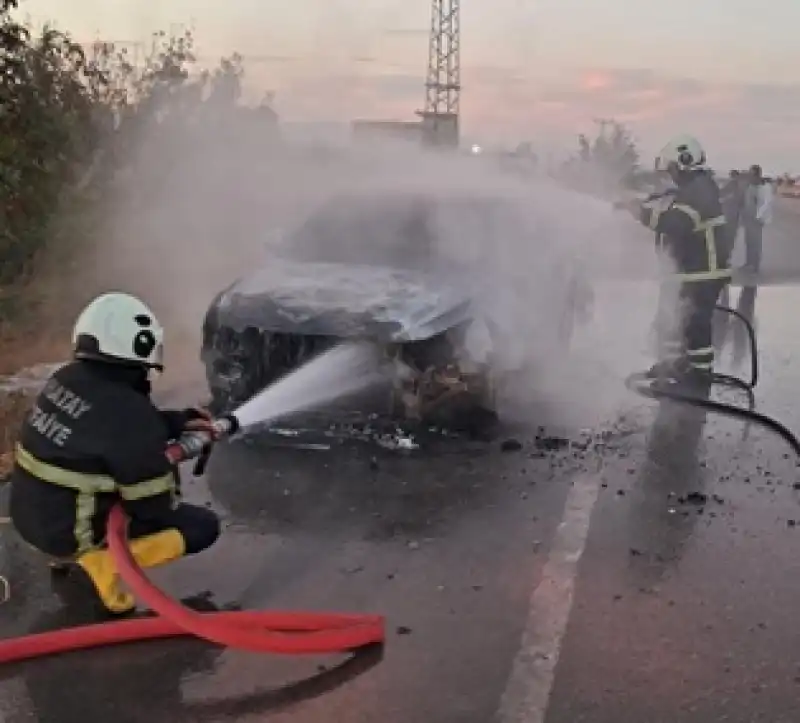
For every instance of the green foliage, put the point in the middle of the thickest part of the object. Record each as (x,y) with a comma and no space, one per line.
(71,117)
(603,163)
(45,113)
(613,150)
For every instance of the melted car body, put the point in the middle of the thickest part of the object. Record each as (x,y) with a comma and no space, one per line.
(377,267)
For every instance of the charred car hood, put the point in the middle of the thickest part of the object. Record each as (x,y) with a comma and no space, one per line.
(343,300)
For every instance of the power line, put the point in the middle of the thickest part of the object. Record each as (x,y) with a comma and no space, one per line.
(137,49)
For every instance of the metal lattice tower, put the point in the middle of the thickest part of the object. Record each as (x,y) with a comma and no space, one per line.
(443,83)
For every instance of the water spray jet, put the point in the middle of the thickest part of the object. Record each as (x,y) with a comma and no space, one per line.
(345,369)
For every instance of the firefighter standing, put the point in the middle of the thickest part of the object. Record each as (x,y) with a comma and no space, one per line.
(93,438)
(697,241)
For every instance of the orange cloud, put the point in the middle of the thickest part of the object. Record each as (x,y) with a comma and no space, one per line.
(595,80)
(737,123)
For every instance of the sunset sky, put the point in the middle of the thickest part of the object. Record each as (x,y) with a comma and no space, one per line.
(723,70)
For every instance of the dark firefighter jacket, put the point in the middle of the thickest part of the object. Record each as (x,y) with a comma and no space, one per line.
(92,437)
(693,229)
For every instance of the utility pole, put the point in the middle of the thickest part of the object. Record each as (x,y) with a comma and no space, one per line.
(440,119)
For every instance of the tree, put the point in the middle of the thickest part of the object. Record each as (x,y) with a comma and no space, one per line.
(612,151)
(45,120)
(70,117)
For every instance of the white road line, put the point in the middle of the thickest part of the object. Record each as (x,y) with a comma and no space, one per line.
(527,693)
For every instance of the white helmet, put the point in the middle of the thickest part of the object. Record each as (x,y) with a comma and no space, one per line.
(119,328)
(683,151)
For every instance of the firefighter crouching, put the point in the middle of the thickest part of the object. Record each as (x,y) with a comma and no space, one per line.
(94,438)
(697,241)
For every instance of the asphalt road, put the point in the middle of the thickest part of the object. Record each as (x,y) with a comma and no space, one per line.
(646,571)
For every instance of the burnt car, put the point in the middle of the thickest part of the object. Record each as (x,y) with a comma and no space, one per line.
(411,274)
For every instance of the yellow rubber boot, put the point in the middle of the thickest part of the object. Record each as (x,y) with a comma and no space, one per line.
(150,551)
(158,549)
(100,567)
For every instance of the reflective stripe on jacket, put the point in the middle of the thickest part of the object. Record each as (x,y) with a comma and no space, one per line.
(87,487)
(695,233)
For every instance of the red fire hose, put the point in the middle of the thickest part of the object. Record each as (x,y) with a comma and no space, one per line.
(286,633)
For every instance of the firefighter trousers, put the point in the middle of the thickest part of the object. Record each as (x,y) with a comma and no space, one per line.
(199,527)
(690,336)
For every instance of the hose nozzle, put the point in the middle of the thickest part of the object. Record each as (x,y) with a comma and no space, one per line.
(197,444)
(226,426)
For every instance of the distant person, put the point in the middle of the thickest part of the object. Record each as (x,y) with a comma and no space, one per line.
(756,213)
(733,193)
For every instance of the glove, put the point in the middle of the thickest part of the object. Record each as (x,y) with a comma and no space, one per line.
(196,414)
(187,420)
(200,420)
